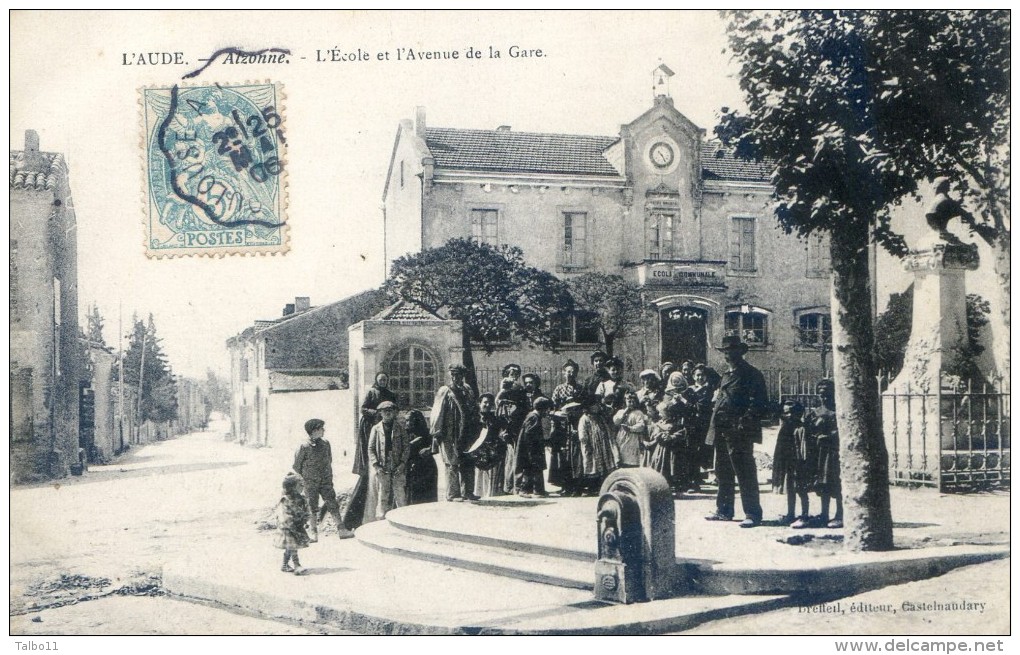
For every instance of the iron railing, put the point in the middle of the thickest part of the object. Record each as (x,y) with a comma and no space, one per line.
(955,439)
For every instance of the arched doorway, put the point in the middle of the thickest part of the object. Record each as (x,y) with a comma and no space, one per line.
(684,334)
(413,377)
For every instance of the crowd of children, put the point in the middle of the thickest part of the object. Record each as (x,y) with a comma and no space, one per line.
(604,423)
(590,429)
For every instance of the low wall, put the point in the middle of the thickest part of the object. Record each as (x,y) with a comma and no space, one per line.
(289,411)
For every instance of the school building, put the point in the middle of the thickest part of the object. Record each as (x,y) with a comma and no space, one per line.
(659,203)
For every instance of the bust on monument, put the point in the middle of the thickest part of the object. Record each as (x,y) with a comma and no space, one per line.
(942,210)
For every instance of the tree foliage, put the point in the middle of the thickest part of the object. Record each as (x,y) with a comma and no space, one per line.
(857,107)
(615,304)
(491,290)
(150,373)
(216,392)
(94,325)
(942,106)
(892,331)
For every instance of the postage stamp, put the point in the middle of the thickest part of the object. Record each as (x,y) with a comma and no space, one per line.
(215,174)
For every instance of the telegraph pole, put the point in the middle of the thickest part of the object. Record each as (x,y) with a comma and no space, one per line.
(120,368)
(141,374)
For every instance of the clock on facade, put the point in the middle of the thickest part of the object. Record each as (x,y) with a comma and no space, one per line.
(661,154)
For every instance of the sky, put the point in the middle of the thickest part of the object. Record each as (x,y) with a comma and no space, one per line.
(69,83)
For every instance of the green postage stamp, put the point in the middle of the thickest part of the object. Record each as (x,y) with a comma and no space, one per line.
(215,171)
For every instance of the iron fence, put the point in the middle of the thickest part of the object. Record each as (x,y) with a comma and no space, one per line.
(489,380)
(955,439)
(792,384)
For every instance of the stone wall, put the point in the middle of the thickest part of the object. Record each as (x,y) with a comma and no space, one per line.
(45,353)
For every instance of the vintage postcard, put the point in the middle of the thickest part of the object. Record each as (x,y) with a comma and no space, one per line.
(510,323)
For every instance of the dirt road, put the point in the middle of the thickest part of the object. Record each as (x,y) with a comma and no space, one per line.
(86,552)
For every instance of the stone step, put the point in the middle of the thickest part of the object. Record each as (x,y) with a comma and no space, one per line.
(480,535)
(553,543)
(497,557)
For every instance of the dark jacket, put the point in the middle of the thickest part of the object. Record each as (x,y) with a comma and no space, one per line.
(313,461)
(742,402)
(530,450)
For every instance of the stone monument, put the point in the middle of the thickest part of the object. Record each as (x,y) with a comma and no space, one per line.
(935,358)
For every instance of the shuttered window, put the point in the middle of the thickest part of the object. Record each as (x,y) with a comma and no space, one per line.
(485,226)
(575,239)
(742,244)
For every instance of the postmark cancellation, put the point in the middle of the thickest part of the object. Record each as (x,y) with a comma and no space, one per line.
(215,171)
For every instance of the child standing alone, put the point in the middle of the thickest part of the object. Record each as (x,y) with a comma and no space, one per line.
(291,517)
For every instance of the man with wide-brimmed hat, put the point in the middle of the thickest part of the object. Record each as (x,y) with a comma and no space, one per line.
(735,426)
(453,430)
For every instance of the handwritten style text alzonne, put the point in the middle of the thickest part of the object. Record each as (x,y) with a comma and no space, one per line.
(339,54)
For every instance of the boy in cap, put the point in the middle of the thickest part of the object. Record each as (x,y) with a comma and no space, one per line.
(387,452)
(313,461)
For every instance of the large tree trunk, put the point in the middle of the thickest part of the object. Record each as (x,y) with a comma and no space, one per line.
(864,461)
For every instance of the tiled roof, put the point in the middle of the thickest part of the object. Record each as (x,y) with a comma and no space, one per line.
(719,163)
(281,382)
(521,152)
(42,180)
(531,152)
(405,311)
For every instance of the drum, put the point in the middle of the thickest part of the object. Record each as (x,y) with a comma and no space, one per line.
(487,451)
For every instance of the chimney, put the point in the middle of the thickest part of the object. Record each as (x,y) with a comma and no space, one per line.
(503,128)
(419,122)
(302,304)
(288,309)
(33,158)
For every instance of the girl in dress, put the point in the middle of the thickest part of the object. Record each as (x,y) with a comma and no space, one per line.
(700,395)
(821,424)
(598,449)
(291,517)
(670,432)
(512,406)
(631,425)
(491,481)
(792,464)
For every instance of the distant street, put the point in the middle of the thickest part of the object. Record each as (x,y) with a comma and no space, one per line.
(115,526)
